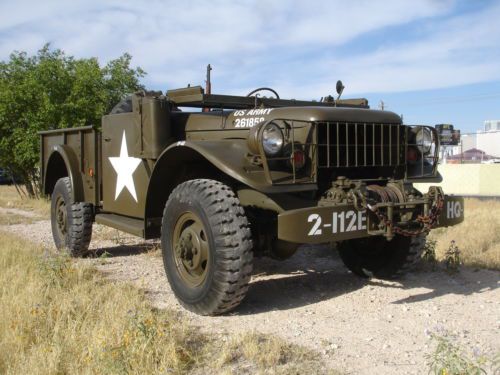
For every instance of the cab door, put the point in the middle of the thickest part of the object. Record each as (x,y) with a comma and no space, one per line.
(125,174)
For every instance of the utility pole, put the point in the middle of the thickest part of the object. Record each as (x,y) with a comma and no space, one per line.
(461,152)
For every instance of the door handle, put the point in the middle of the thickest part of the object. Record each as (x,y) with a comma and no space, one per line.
(107,139)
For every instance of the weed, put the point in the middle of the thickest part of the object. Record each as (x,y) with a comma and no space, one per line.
(449,359)
(105,255)
(478,237)
(429,253)
(452,258)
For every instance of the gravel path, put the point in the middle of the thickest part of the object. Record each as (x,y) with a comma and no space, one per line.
(360,327)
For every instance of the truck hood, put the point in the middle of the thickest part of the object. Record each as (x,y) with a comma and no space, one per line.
(247,118)
(250,117)
(335,114)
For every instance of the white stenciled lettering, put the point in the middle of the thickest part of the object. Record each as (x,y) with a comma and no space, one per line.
(315,230)
(361,220)
(247,122)
(355,220)
(352,223)
(253,112)
(344,221)
(453,210)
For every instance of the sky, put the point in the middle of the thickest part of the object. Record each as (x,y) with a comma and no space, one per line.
(433,61)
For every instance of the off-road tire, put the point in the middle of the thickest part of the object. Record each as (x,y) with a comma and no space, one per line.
(78,223)
(376,257)
(123,106)
(229,240)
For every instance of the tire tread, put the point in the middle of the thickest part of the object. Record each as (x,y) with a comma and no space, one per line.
(233,244)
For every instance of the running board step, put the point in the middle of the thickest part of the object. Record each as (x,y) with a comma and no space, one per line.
(123,223)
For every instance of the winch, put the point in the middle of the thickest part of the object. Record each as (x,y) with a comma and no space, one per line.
(391,209)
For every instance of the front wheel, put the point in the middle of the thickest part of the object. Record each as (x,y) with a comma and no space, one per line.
(377,257)
(207,247)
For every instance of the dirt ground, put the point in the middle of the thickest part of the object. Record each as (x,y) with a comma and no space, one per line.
(359,326)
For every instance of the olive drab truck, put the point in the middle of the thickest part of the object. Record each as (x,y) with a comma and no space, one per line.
(221,179)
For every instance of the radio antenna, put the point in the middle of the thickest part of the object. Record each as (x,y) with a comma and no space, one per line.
(208,86)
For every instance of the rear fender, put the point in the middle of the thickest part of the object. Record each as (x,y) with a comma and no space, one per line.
(53,171)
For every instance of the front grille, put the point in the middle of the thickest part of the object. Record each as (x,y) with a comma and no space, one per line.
(345,144)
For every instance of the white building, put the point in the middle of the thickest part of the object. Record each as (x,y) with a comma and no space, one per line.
(492,125)
(487,140)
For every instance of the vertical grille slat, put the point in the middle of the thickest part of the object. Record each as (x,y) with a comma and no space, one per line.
(328,144)
(373,144)
(347,144)
(338,145)
(364,146)
(344,144)
(398,152)
(390,144)
(356,141)
(382,145)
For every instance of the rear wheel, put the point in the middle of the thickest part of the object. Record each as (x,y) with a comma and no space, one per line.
(375,256)
(207,247)
(71,222)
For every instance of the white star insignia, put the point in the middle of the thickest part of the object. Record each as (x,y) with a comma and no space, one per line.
(124,166)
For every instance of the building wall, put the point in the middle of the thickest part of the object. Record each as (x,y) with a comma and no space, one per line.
(489,142)
(468,179)
(468,141)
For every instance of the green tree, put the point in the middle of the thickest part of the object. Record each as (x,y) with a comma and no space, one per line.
(52,90)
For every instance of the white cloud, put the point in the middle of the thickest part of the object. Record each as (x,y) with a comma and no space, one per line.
(292,45)
(462,50)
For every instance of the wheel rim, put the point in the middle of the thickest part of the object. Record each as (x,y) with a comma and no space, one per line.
(190,245)
(61,215)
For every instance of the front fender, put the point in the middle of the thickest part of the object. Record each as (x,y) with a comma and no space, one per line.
(229,156)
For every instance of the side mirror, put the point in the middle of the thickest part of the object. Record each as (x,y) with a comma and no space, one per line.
(340,88)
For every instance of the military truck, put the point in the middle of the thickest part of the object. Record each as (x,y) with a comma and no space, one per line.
(221,179)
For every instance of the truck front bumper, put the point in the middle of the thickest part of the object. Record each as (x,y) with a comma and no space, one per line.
(343,222)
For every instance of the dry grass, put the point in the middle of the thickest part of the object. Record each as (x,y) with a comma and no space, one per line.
(59,318)
(265,352)
(9,198)
(477,238)
(104,233)
(9,218)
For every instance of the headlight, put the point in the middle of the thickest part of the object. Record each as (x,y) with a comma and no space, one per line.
(423,139)
(272,139)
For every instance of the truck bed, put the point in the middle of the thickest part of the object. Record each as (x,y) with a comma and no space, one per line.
(72,152)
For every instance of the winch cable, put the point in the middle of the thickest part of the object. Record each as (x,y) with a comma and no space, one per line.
(387,194)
